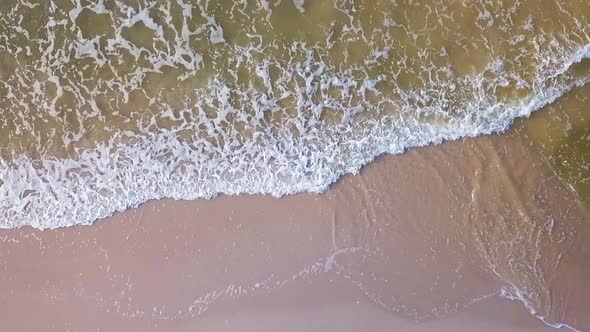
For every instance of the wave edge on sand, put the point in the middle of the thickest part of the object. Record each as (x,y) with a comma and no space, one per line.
(59,192)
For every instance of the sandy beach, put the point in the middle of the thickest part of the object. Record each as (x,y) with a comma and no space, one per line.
(433,159)
(432,250)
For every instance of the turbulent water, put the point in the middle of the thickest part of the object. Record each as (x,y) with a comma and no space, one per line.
(107,104)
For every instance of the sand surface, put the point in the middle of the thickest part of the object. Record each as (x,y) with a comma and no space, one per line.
(425,241)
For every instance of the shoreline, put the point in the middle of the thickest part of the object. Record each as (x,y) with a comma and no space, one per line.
(146,172)
(297,166)
(368,239)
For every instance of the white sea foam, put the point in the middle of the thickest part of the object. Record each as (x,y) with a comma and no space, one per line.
(113,177)
(515,294)
(299,153)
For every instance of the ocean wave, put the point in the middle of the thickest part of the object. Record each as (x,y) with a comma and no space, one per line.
(306,114)
(57,192)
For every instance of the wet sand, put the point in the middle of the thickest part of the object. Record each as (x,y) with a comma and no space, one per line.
(425,241)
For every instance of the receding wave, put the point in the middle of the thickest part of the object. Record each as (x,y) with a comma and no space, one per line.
(108,105)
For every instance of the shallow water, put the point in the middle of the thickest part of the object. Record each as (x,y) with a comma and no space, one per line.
(107,104)
(561,132)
